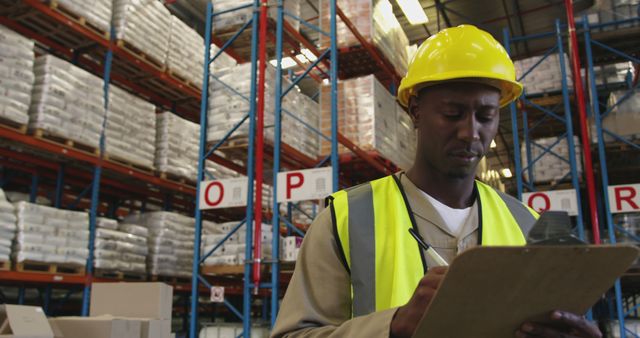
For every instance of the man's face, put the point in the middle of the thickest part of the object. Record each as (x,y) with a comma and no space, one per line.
(456,122)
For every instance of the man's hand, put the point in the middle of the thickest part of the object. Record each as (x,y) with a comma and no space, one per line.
(576,327)
(407,317)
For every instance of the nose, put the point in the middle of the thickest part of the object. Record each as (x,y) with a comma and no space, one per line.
(469,129)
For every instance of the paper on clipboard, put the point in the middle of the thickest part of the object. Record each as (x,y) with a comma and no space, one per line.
(489,292)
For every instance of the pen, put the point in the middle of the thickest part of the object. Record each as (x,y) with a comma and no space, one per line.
(428,249)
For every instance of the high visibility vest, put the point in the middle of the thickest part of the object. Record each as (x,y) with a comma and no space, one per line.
(372,221)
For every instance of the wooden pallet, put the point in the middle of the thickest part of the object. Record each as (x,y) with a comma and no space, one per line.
(6,123)
(170,279)
(126,163)
(119,275)
(78,19)
(5,265)
(50,268)
(46,135)
(183,79)
(142,56)
(175,178)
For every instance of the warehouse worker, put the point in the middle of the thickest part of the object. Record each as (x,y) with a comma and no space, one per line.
(360,272)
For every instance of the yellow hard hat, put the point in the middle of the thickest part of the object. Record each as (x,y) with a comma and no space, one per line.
(461,53)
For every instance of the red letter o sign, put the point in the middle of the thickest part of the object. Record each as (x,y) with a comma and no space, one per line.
(207,191)
(545,199)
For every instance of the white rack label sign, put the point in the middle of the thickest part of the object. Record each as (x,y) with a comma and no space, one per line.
(217,294)
(225,193)
(556,200)
(624,198)
(301,185)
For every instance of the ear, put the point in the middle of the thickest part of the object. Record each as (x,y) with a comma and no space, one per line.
(414,110)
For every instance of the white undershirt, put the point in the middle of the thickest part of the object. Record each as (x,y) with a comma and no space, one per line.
(454,219)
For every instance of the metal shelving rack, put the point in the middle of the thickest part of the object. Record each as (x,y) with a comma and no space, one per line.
(625,305)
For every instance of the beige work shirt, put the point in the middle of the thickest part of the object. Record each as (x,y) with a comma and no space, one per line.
(318,299)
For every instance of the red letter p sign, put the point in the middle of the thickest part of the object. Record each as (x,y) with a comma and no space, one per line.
(291,185)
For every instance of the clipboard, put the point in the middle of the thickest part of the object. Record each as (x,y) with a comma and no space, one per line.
(489,292)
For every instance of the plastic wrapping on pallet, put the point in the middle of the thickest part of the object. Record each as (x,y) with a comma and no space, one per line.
(227,108)
(177,143)
(16,75)
(122,250)
(67,102)
(368,116)
(611,74)
(375,21)
(223,61)
(51,235)
(95,12)
(232,250)
(7,226)
(229,21)
(170,242)
(624,118)
(130,133)
(185,56)
(544,77)
(146,25)
(551,168)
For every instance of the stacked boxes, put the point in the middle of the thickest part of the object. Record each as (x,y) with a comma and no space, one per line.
(232,251)
(67,101)
(613,10)
(170,242)
(611,74)
(51,235)
(227,108)
(369,116)
(16,75)
(177,143)
(120,247)
(545,77)
(95,12)
(551,168)
(130,132)
(375,21)
(7,227)
(186,52)
(290,248)
(145,25)
(229,21)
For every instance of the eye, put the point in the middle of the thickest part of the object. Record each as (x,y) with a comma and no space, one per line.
(486,114)
(452,113)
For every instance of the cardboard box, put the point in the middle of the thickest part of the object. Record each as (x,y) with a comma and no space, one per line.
(137,300)
(97,327)
(19,321)
(155,328)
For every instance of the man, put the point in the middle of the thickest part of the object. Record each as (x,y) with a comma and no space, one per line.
(360,272)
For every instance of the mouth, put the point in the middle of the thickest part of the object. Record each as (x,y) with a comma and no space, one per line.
(464,156)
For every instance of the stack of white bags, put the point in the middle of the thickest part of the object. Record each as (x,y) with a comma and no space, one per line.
(130,132)
(232,251)
(144,24)
(170,242)
(50,235)
(120,247)
(7,227)
(177,143)
(67,101)
(96,12)
(186,52)
(16,75)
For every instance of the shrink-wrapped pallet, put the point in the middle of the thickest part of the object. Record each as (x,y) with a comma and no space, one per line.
(550,167)
(185,56)
(16,76)
(96,12)
(7,227)
(230,20)
(544,77)
(145,25)
(49,235)
(177,143)
(122,250)
(232,250)
(130,133)
(624,118)
(67,102)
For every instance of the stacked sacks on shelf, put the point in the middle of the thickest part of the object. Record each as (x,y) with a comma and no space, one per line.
(130,132)
(67,101)
(51,235)
(185,56)
(229,21)
(7,227)
(551,168)
(177,143)
(120,247)
(407,139)
(16,75)
(223,60)
(545,77)
(146,25)
(96,12)
(624,119)
(232,251)
(375,21)
(369,116)
(227,108)
(605,11)
(170,242)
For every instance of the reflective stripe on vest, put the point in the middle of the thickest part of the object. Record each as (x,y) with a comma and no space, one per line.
(372,223)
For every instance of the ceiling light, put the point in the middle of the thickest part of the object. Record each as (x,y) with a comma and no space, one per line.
(413,11)
(506,172)
(493,144)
